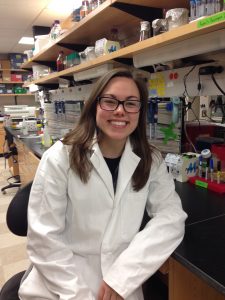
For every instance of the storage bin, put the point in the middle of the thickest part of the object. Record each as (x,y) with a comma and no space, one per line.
(39,71)
(93,72)
(72,59)
(16,77)
(40,43)
(17,59)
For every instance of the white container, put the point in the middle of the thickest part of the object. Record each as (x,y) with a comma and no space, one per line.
(93,72)
(39,71)
(24,127)
(40,43)
(177,17)
(104,46)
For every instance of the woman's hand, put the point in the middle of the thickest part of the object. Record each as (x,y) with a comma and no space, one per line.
(107,293)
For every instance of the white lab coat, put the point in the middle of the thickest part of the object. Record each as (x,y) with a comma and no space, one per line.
(79,234)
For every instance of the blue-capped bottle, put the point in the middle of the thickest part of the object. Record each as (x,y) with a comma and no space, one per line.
(192,10)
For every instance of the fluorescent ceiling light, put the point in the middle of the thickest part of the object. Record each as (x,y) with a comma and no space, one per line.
(26,40)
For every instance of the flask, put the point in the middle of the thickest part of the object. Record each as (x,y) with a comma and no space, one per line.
(60,61)
(145,30)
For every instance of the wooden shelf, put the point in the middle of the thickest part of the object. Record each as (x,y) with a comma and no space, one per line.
(11,82)
(179,34)
(13,70)
(156,3)
(98,24)
(13,95)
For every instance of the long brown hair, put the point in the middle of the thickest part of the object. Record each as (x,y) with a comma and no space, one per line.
(81,137)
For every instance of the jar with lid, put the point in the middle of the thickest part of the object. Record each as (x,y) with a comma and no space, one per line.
(145,30)
(159,26)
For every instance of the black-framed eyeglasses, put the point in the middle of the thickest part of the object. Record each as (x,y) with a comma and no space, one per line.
(111,104)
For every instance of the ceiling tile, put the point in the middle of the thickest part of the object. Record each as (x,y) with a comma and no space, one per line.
(18,17)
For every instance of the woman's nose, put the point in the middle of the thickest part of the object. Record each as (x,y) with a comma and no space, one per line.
(120,109)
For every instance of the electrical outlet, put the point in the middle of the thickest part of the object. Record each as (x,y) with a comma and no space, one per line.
(204,107)
(204,113)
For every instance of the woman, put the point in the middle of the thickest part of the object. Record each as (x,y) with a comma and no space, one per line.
(88,199)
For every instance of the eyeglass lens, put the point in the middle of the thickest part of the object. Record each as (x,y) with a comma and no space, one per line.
(111,104)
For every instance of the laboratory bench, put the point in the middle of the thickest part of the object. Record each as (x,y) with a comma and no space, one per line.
(196,269)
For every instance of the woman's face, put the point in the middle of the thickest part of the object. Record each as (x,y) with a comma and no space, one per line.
(117,125)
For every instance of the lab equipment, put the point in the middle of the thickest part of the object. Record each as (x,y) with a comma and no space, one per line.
(175,114)
(153,117)
(182,166)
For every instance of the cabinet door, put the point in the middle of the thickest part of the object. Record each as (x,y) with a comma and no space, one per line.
(28,163)
(184,285)
(2,138)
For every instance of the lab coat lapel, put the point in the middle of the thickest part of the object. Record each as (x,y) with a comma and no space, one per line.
(101,167)
(128,164)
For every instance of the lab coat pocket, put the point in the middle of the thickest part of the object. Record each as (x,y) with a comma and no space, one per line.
(132,211)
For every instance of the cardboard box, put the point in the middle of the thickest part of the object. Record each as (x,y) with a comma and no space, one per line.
(16,77)
(17,59)
(6,75)
(5,64)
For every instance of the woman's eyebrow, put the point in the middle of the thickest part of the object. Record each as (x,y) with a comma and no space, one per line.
(127,98)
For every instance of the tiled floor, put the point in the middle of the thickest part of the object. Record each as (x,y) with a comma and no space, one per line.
(13,256)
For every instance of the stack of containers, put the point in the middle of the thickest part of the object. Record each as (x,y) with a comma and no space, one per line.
(61,116)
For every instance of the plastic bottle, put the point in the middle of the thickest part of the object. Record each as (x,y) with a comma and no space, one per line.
(210,7)
(100,2)
(84,10)
(198,8)
(60,61)
(51,34)
(145,30)
(93,4)
(202,8)
(24,127)
(57,29)
(192,10)
(217,6)
(46,139)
